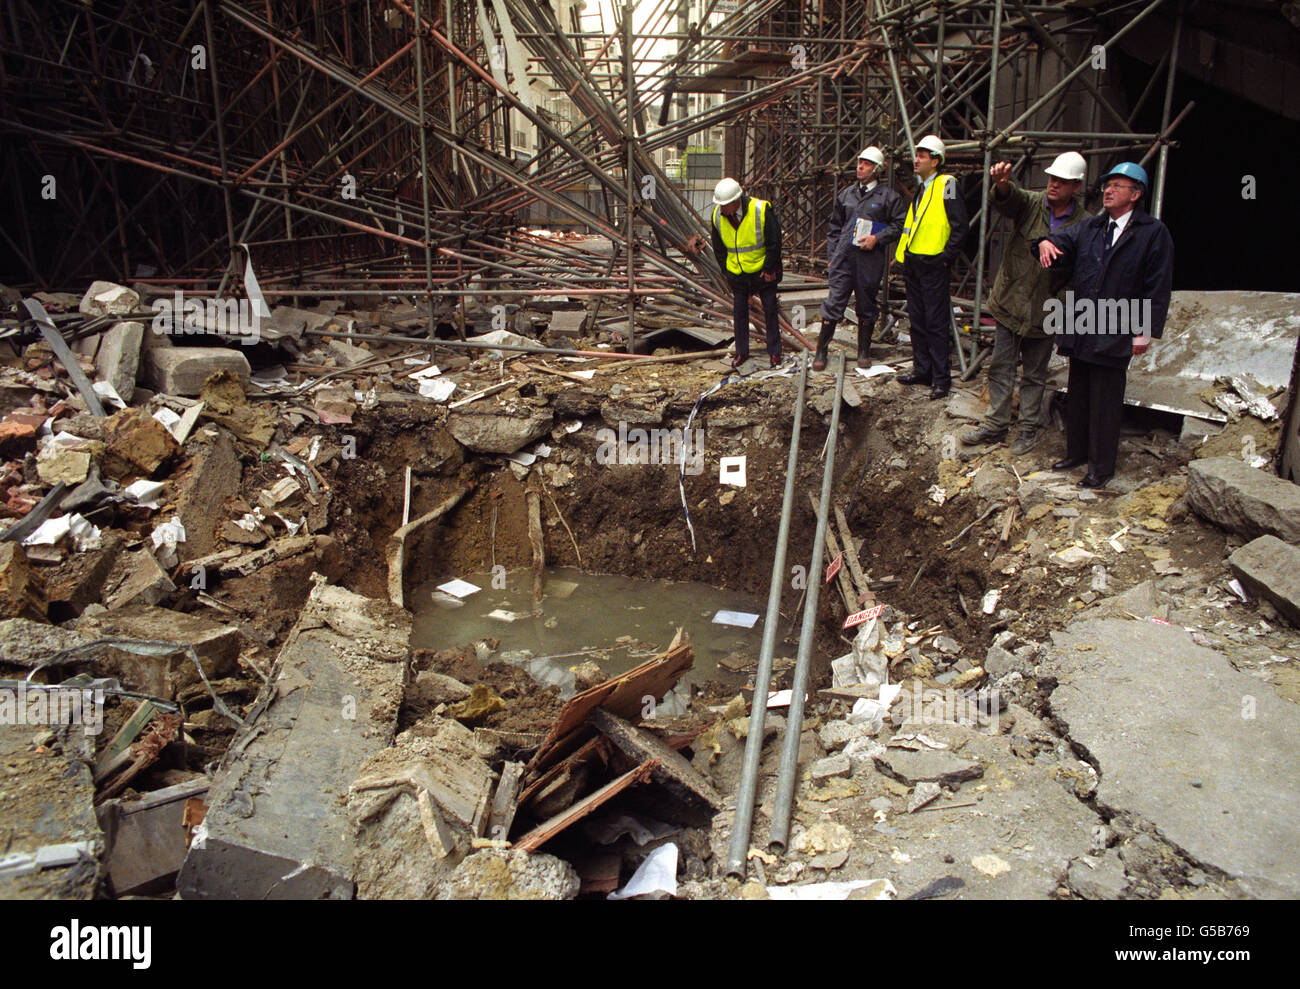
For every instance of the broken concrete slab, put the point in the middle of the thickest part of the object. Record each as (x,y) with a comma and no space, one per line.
(416,808)
(211,475)
(673,771)
(431,689)
(511,874)
(108,298)
(1251,502)
(22,588)
(927,765)
(143,582)
(79,581)
(567,322)
(117,360)
(231,532)
(29,643)
(145,838)
(1139,601)
(1098,877)
(1270,568)
(626,413)
(277,826)
(216,645)
(183,370)
(61,463)
(498,431)
(137,444)
(837,734)
(830,767)
(1160,717)
(48,795)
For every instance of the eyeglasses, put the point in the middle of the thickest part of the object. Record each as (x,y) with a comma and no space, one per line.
(1119,185)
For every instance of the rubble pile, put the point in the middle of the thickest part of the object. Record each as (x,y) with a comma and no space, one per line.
(215,548)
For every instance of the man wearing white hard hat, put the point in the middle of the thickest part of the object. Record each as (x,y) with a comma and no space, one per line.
(1019,291)
(867,217)
(747,244)
(1121,265)
(933,232)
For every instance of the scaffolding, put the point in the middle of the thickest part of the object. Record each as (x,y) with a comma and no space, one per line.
(373,147)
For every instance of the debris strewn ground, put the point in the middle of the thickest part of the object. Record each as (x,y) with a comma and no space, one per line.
(1093,688)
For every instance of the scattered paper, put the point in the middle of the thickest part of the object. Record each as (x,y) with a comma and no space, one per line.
(731,470)
(432,371)
(167,417)
(438,389)
(185,424)
(49,532)
(145,493)
(875,371)
(501,615)
(990,601)
(656,876)
(740,619)
(165,537)
(459,588)
(108,393)
(573,427)
(584,375)
(560,588)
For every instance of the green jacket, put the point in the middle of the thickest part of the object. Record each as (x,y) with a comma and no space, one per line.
(1022,285)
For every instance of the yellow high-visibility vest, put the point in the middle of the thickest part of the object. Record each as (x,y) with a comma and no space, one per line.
(927,232)
(744,243)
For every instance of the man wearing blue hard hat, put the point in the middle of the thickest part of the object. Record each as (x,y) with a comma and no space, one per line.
(1122,271)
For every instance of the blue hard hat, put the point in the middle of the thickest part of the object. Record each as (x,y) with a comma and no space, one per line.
(1130,170)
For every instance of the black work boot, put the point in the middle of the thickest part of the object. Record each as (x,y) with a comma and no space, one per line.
(864,344)
(823,342)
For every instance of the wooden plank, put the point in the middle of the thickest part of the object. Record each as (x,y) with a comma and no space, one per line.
(549,829)
(850,552)
(590,750)
(535,540)
(127,734)
(842,578)
(676,775)
(1011,518)
(621,695)
(397,544)
(505,801)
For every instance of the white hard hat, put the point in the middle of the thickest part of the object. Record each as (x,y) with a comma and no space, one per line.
(873,155)
(727,191)
(932,144)
(1069,166)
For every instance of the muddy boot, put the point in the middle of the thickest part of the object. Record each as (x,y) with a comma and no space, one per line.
(864,344)
(823,342)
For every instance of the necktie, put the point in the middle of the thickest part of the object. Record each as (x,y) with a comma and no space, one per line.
(1110,235)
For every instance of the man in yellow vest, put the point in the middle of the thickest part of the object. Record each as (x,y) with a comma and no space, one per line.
(747,244)
(933,232)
